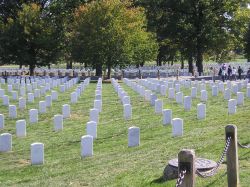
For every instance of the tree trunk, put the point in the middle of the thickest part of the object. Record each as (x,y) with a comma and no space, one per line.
(182,62)
(159,61)
(31,69)
(20,66)
(190,64)
(199,60)
(248,60)
(48,66)
(69,65)
(98,70)
(109,71)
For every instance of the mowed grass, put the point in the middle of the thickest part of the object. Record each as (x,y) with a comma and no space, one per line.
(113,163)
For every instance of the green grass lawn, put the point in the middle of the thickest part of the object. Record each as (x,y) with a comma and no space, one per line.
(113,163)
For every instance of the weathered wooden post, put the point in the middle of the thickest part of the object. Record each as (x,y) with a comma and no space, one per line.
(232,157)
(186,161)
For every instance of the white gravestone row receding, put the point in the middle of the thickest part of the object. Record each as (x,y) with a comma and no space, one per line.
(5,142)
(30,97)
(73,97)
(22,103)
(153,97)
(37,153)
(6,100)
(133,136)
(98,105)
(48,100)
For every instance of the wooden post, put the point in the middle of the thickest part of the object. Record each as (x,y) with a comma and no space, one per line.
(232,157)
(186,161)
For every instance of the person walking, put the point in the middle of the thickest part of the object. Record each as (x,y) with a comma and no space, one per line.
(240,71)
(229,72)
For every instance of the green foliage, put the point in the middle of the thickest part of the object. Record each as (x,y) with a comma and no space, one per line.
(110,33)
(29,39)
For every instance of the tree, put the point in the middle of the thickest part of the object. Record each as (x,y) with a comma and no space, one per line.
(196,26)
(28,39)
(108,33)
(247,46)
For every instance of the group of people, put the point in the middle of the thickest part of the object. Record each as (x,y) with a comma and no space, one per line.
(229,73)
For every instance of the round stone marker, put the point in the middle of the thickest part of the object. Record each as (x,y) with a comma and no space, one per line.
(200,163)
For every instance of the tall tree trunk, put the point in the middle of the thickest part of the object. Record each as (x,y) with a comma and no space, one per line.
(109,71)
(248,59)
(31,69)
(182,62)
(48,66)
(20,66)
(190,64)
(159,59)
(199,60)
(98,69)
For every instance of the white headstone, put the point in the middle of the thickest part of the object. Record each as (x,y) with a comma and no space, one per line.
(1,121)
(10,88)
(62,88)
(91,129)
(248,92)
(37,93)
(193,92)
(203,95)
(98,97)
(227,94)
(167,116)
(98,105)
(33,115)
(42,107)
(163,90)
(133,136)
(179,97)
(127,112)
(158,106)
(58,122)
(171,93)
(240,98)
(2,93)
(148,95)
(235,89)
(66,111)
(37,153)
(94,115)
(126,100)
(86,146)
(22,91)
(153,97)
(12,111)
(54,95)
(232,106)
(30,98)
(5,142)
(73,97)
(187,102)
(201,111)
(21,128)
(6,100)
(177,127)
(14,95)
(22,103)
(48,100)
(215,91)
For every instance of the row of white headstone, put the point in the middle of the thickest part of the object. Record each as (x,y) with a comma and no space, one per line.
(177,123)
(124,98)
(37,149)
